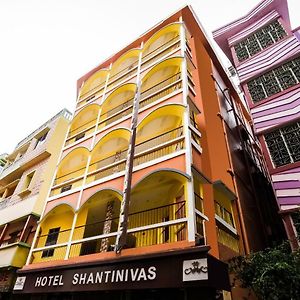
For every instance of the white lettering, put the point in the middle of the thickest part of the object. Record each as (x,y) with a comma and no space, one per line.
(98,277)
(120,275)
(50,280)
(151,273)
(106,275)
(90,279)
(142,275)
(44,281)
(82,278)
(113,276)
(134,274)
(61,280)
(38,281)
(75,279)
(126,274)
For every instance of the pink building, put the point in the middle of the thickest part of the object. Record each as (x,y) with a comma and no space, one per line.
(266,53)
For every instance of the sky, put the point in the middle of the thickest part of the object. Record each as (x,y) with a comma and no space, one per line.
(46,45)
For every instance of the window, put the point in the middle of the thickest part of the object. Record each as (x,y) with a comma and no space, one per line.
(275,81)
(41,139)
(284,144)
(51,240)
(28,180)
(259,40)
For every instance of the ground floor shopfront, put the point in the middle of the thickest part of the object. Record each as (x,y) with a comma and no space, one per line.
(180,274)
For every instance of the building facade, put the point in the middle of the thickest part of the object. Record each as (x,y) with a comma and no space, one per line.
(156,185)
(266,53)
(24,184)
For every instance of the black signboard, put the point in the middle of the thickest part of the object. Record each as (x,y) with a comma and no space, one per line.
(174,269)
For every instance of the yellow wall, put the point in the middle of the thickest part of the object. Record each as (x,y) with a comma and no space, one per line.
(54,147)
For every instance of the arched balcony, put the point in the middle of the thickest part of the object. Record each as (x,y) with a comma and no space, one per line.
(124,67)
(117,105)
(109,155)
(159,134)
(162,80)
(93,87)
(70,171)
(97,223)
(161,43)
(83,123)
(54,234)
(157,211)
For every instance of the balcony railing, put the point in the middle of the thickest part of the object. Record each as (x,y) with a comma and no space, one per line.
(82,128)
(158,140)
(160,51)
(165,224)
(159,146)
(6,202)
(122,74)
(106,171)
(161,89)
(69,176)
(89,93)
(199,203)
(116,113)
(228,239)
(157,215)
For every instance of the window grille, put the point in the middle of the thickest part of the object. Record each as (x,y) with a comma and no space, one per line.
(259,40)
(275,81)
(284,144)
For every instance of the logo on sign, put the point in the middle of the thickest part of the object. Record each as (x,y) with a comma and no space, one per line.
(19,285)
(195,269)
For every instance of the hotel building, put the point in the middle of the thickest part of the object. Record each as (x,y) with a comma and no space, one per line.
(266,53)
(24,184)
(160,178)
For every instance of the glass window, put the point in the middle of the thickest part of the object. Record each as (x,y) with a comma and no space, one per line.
(284,144)
(51,240)
(259,40)
(275,81)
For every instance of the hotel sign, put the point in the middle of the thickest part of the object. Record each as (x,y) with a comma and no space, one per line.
(187,271)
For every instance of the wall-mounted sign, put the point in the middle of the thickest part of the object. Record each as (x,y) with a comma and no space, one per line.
(19,285)
(195,269)
(188,269)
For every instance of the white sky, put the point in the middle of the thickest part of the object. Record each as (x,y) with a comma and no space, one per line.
(46,45)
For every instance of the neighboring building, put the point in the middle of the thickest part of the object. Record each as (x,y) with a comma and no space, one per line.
(2,161)
(266,53)
(159,124)
(24,185)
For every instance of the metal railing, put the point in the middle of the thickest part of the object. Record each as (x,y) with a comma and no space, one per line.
(120,76)
(6,202)
(120,155)
(97,88)
(228,239)
(161,89)
(116,113)
(106,171)
(156,236)
(69,176)
(158,140)
(199,202)
(160,51)
(83,242)
(82,127)
(155,215)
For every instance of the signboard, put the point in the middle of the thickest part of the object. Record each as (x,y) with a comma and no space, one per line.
(187,270)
